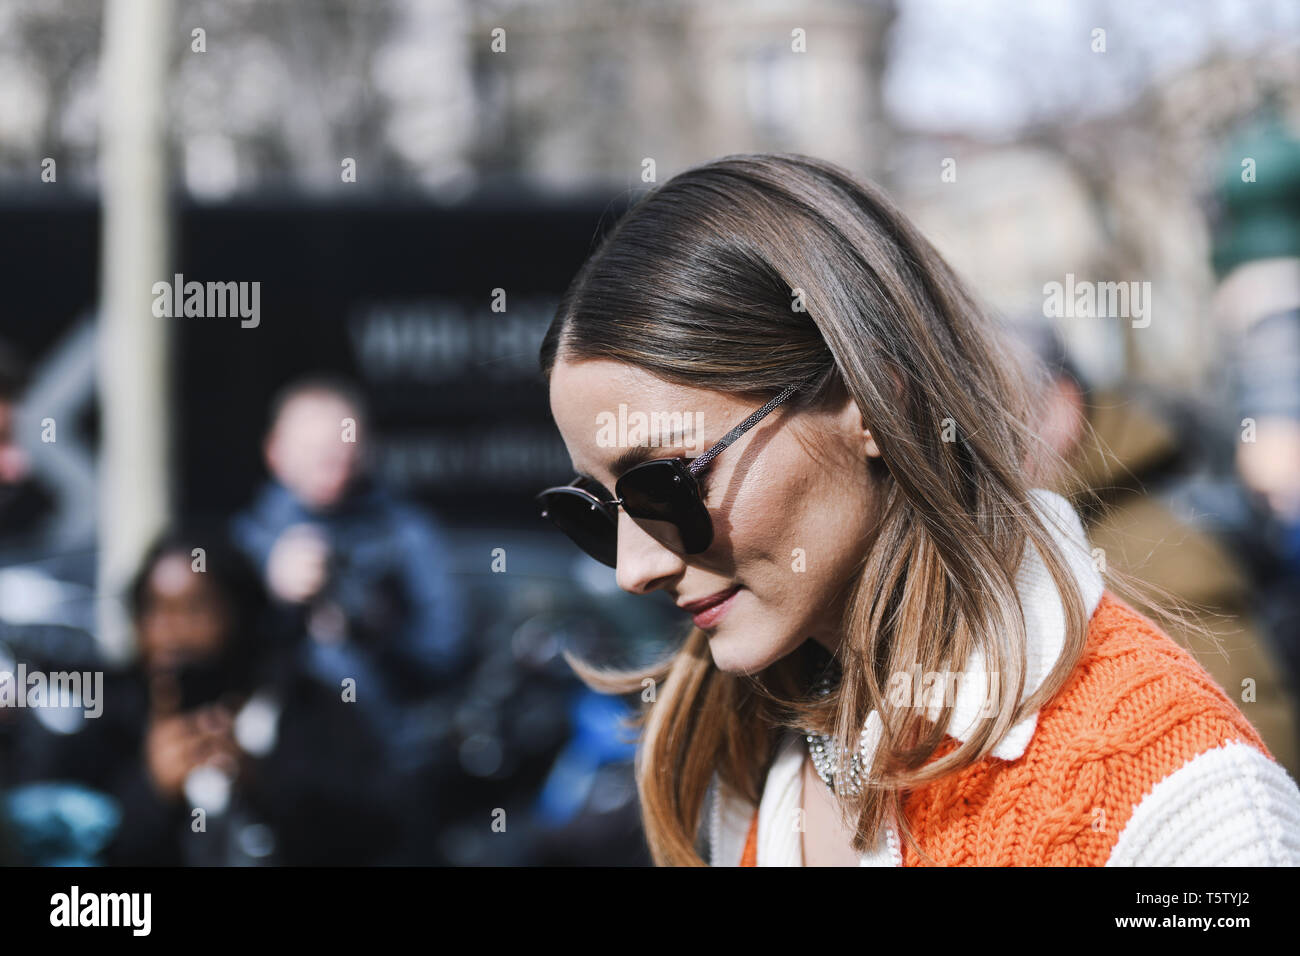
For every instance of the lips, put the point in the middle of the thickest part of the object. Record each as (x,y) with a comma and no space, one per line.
(709,610)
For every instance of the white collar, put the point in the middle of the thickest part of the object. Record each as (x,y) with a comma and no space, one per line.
(1044,614)
(779,840)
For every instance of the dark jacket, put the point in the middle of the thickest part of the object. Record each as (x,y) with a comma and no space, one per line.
(405,618)
(318,796)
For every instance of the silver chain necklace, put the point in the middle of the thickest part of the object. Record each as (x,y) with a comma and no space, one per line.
(825,753)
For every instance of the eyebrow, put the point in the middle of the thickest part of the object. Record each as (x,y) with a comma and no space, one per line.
(636,454)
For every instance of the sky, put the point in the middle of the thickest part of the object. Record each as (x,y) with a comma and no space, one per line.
(988,68)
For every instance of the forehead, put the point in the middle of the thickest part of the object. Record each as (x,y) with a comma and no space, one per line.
(173,576)
(579,387)
(585,396)
(316,404)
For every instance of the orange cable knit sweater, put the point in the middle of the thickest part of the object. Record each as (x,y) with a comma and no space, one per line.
(1136,710)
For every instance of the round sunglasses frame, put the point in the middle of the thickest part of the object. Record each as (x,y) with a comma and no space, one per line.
(684,507)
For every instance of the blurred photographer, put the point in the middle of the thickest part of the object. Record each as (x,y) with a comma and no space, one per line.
(360,573)
(215,754)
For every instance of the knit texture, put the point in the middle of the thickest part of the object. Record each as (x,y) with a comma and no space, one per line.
(1136,710)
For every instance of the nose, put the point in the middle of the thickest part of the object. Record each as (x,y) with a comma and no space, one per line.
(644,564)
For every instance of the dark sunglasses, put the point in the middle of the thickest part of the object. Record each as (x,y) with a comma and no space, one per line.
(661,496)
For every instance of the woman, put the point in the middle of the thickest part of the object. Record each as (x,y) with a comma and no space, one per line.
(217,713)
(903,652)
(227,691)
(172,711)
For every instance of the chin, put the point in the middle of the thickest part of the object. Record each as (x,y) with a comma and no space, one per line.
(740,652)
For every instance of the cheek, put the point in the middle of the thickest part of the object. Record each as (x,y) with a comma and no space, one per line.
(799,535)
(772,516)
(152,636)
(208,630)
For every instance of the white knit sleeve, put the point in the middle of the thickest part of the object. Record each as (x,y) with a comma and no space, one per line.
(1229,806)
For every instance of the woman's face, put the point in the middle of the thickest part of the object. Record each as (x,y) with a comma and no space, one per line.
(185,618)
(791,501)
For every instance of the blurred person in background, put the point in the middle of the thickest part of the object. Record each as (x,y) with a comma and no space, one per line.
(198,663)
(45,603)
(214,755)
(365,571)
(46,577)
(360,579)
(23,502)
(1133,462)
(1256,258)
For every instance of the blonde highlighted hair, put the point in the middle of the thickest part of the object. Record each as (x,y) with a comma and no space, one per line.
(700,283)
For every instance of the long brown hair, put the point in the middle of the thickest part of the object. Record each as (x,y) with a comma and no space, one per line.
(748,273)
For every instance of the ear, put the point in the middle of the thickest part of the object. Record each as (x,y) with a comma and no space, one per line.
(870,447)
(855,425)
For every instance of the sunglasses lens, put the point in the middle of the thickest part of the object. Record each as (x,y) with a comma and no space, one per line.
(661,497)
(587,524)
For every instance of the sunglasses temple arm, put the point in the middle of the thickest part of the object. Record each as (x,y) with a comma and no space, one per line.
(702,460)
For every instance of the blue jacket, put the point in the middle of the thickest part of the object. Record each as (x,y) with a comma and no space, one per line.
(388,572)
